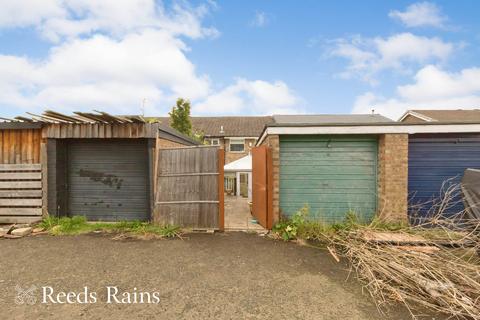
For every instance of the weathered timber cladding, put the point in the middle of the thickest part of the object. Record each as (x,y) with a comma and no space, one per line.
(20,146)
(187,192)
(20,193)
(97,130)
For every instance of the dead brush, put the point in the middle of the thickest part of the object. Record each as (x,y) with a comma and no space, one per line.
(433,265)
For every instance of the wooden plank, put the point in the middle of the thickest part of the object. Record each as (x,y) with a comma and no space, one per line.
(11,147)
(20,184)
(6,146)
(16,147)
(20,167)
(29,148)
(24,146)
(156,162)
(20,219)
(186,202)
(221,194)
(20,175)
(20,211)
(20,202)
(37,136)
(1,146)
(20,193)
(196,174)
(270,183)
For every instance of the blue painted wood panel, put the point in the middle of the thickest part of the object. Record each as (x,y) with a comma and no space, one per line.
(331,174)
(433,160)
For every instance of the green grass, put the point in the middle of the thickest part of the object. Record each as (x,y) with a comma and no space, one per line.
(78,225)
(299,226)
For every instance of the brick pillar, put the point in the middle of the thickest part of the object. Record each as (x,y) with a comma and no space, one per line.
(273,142)
(393,177)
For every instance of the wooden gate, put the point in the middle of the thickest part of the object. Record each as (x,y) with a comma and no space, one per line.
(262,184)
(189,187)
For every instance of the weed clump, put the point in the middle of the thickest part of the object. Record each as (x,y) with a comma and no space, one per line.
(78,225)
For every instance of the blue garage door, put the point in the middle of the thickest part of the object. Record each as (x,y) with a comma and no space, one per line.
(433,160)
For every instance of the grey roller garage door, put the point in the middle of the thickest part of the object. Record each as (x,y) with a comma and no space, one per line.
(108,179)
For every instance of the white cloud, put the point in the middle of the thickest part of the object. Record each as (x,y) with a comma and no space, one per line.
(260,97)
(102,71)
(259,20)
(56,19)
(420,14)
(111,55)
(433,88)
(16,13)
(369,56)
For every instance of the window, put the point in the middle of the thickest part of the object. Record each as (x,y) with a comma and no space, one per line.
(237,145)
(214,142)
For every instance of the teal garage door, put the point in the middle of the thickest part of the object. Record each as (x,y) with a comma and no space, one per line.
(333,175)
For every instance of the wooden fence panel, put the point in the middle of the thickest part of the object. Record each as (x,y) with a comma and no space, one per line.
(20,193)
(187,187)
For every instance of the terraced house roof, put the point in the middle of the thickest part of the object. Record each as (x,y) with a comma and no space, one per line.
(460,116)
(242,126)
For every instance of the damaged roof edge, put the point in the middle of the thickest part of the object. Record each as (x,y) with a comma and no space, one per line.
(20,125)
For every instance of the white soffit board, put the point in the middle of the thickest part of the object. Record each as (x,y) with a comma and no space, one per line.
(409,129)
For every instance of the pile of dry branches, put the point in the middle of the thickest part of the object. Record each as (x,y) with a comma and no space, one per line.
(443,279)
(435,266)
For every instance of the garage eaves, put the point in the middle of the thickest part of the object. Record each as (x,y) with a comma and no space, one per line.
(370,128)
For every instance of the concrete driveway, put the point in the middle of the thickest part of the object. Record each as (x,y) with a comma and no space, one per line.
(221,276)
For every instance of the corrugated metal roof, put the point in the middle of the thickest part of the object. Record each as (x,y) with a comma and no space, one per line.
(322,119)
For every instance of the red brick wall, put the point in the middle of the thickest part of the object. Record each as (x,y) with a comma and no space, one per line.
(232,156)
(393,177)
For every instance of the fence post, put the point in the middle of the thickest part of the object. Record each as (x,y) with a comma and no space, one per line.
(221,196)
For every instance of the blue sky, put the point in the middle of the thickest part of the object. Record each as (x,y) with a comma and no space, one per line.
(239,57)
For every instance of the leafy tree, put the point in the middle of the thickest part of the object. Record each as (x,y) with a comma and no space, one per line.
(180,117)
